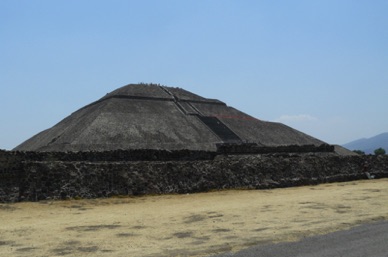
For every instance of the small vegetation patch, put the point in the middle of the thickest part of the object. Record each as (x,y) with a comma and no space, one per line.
(183,234)
(221,230)
(26,249)
(260,229)
(88,249)
(215,215)
(2,243)
(93,228)
(126,234)
(194,218)
(138,227)
(7,207)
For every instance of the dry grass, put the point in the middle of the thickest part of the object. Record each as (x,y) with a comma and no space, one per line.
(187,225)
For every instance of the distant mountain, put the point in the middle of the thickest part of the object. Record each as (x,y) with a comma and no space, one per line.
(368,145)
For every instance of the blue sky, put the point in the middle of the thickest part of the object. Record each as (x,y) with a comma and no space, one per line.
(318,66)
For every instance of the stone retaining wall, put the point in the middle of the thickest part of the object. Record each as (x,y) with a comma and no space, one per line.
(29,179)
(252,148)
(109,156)
(9,158)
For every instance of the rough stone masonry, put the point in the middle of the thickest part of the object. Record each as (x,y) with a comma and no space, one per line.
(35,176)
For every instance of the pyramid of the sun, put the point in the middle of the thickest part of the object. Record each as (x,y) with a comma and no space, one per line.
(140,116)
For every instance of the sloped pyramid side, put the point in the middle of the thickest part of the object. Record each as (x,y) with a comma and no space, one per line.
(253,130)
(122,124)
(63,133)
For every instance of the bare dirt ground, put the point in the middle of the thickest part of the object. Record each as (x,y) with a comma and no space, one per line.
(187,225)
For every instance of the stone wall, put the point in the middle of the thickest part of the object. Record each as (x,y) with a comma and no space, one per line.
(108,156)
(33,178)
(252,148)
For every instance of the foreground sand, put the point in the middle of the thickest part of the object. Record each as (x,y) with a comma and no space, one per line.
(187,225)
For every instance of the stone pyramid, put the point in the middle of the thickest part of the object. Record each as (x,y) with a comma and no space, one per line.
(150,116)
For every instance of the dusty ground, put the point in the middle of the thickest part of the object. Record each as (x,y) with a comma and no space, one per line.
(187,225)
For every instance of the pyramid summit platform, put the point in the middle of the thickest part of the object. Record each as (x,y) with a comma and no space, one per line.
(150,116)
